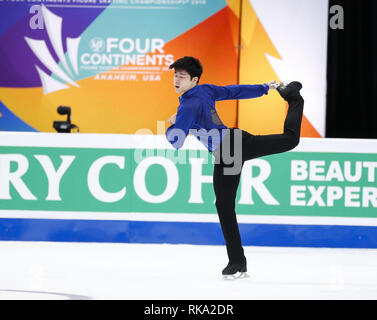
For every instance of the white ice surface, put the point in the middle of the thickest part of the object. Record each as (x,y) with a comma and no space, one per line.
(47,270)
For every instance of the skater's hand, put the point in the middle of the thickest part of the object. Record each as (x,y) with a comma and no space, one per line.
(172,118)
(273,84)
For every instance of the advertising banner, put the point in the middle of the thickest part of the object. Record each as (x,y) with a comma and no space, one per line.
(323,193)
(109,60)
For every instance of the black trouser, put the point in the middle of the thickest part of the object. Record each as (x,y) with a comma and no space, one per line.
(237,147)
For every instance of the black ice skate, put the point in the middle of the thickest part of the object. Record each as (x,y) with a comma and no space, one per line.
(235,271)
(289,89)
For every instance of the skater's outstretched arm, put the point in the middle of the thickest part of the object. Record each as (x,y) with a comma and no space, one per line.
(241,91)
(236,92)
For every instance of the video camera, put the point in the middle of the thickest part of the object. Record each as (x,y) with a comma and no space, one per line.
(64,126)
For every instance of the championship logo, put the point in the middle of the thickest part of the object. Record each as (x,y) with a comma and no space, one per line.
(64,75)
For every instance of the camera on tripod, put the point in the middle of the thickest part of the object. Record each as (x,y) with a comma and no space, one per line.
(64,126)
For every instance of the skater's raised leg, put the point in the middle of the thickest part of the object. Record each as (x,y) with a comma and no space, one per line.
(254,146)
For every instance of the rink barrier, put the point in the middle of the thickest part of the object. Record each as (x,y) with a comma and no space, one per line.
(196,233)
(138,189)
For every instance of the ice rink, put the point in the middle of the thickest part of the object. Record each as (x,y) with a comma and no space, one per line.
(56,270)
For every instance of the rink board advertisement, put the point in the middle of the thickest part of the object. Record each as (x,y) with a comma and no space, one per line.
(137,188)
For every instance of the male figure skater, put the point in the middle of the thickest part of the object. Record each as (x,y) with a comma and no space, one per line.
(231,147)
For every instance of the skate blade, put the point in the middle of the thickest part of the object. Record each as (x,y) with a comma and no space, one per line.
(236,276)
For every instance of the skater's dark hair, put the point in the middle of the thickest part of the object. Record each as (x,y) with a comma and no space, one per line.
(189,64)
